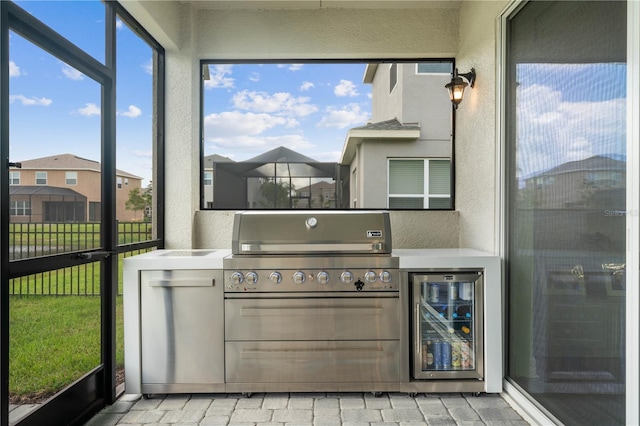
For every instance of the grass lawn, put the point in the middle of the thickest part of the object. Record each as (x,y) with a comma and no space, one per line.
(54,340)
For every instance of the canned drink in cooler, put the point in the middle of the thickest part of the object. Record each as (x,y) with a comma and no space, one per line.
(466,291)
(446,356)
(434,293)
(438,360)
(456,361)
(453,291)
(465,356)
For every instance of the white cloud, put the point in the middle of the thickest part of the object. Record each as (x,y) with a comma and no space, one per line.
(255,77)
(148,66)
(72,73)
(236,123)
(219,77)
(14,70)
(343,117)
(255,145)
(119,24)
(306,86)
(291,67)
(132,112)
(89,110)
(30,101)
(346,88)
(553,131)
(278,103)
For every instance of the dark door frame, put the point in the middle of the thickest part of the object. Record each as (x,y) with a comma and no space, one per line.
(97,388)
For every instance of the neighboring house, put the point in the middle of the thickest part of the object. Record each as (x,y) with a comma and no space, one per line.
(209,170)
(65,188)
(584,183)
(407,146)
(269,180)
(320,195)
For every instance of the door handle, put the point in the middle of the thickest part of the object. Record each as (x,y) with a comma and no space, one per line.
(94,255)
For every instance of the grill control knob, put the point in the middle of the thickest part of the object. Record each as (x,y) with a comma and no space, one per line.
(298,277)
(252,278)
(370,277)
(323,277)
(385,276)
(346,277)
(275,277)
(237,278)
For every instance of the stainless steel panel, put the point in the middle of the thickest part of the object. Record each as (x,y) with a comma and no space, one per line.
(312,319)
(182,327)
(311,284)
(307,261)
(312,362)
(333,231)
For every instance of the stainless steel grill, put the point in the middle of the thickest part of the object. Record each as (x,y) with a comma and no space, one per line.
(311,303)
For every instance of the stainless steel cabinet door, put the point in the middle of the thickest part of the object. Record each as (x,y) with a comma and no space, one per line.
(182,327)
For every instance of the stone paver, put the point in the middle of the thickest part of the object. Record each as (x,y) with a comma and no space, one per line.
(310,409)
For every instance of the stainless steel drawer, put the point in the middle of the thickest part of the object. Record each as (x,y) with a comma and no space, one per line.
(312,362)
(182,336)
(312,319)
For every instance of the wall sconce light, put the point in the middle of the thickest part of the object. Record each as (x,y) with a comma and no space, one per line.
(457,85)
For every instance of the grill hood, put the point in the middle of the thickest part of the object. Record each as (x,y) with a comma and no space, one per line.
(311,232)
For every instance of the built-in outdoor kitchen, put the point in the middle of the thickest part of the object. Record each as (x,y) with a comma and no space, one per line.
(313,301)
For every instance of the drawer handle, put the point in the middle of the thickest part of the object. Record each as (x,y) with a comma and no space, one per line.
(183,283)
(311,311)
(320,353)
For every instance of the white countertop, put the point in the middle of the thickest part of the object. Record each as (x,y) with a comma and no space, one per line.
(444,258)
(177,259)
(212,259)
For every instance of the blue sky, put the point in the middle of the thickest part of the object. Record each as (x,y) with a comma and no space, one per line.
(567,112)
(252,108)
(54,109)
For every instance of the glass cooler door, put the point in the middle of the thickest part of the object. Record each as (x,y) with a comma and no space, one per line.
(448,329)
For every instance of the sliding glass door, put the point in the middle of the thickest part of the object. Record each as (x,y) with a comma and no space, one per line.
(566,182)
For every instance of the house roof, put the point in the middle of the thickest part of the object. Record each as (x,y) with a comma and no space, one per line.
(597,162)
(317,186)
(209,160)
(281,154)
(388,129)
(69,162)
(44,190)
(279,162)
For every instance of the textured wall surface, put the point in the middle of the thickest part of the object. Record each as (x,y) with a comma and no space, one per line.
(436,229)
(477,161)
(466,32)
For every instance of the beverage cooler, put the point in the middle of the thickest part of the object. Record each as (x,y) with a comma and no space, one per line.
(448,325)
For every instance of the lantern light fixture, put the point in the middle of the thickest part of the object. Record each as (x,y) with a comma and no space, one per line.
(457,85)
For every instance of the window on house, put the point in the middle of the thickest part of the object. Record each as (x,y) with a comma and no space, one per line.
(126,181)
(119,183)
(290,135)
(419,184)
(41,178)
(14,178)
(20,208)
(393,76)
(71,178)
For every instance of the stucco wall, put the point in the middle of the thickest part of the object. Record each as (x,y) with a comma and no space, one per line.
(477,155)
(466,33)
